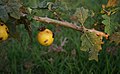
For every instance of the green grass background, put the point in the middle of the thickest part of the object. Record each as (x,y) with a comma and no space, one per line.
(23,57)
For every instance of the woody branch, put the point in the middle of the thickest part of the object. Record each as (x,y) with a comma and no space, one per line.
(67,24)
(57,22)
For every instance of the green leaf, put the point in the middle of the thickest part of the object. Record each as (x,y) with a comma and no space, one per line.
(33,3)
(11,7)
(3,1)
(92,44)
(110,25)
(15,14)
(3,14)
(14,9)
(43,4)
(94,5)
(70,4)
(81,14)
(29,10)
(107,23)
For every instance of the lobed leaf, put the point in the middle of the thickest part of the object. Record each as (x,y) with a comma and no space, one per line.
(109,23)
(91,43)
(13,8)
(81,14)
(9,7)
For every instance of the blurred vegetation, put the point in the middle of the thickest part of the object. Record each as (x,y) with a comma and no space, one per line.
(22,54)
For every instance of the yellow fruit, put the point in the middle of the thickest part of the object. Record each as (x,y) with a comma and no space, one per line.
(3,32)
(45,37)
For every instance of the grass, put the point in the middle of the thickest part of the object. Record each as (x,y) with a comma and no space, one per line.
(21,57)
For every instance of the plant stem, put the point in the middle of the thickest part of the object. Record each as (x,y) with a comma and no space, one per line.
(57,22)
(69,25)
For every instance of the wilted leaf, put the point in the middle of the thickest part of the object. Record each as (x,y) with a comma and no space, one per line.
(93,55)
(91,43)
(81,14)
(115,37)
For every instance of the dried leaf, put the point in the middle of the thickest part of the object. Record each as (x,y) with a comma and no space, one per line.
(109,11)
(115,37)
(93,55)
(112,3)
(99,33)
(81,14)
(91,42)
(73,52)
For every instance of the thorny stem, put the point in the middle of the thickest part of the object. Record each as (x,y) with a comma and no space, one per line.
(57,22)
(69,25)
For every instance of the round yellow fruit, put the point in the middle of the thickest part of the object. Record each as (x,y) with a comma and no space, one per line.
(45,37)
(3,32)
